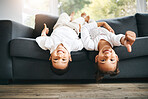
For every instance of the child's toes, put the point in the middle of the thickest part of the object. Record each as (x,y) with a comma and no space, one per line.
(83,14)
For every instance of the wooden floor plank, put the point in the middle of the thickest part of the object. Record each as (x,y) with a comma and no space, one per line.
(76,91)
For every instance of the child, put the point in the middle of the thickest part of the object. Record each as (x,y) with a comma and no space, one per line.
(100,39)
(62,41)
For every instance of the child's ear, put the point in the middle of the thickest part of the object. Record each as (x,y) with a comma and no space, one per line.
(50,57)
(70,58)
(117,57)
(96,59)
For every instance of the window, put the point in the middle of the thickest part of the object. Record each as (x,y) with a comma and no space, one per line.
(142,6)
(33,7)
(147,6)
(97,9)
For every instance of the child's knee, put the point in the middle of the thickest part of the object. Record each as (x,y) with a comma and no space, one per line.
(64,14)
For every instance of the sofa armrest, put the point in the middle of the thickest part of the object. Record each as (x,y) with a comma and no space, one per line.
(8,31)
(13,29)
(139,49)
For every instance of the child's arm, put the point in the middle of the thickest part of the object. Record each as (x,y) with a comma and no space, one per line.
(105,25)
(88,43)
(44,41)
(128,40)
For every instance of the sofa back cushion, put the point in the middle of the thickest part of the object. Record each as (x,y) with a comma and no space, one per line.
(142,23)
(123,24)
(120,25)
(40,19)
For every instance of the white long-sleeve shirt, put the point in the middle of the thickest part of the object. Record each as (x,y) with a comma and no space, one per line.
(91,34)
(64,35)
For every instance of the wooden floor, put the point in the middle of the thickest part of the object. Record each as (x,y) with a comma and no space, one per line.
(76,91)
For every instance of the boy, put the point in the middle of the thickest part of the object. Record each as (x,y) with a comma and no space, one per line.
(62,41)
(100,39)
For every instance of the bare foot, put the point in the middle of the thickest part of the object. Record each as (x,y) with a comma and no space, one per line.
(83,14)
(87,19)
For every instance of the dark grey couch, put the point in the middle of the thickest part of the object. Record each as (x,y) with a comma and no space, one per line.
(22,59)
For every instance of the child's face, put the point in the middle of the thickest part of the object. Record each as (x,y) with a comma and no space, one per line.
(60,57)
(107,59)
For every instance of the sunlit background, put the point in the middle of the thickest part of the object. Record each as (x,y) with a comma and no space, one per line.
(24,11)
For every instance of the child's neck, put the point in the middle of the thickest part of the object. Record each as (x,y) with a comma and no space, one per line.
(103,43)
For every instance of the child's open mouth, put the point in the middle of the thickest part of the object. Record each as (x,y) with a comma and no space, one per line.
(60,51)
(107,51)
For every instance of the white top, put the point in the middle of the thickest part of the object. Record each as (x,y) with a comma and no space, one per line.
(64,35)
(91,34)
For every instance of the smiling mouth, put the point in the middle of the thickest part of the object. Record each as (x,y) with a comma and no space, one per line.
(60,51)
(107,51)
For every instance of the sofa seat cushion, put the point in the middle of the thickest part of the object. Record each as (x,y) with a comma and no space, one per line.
(139,48)
(142,23)
(123,24)
(27,47)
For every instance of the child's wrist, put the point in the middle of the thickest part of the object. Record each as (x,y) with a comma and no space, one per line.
(122,40)
(43,34)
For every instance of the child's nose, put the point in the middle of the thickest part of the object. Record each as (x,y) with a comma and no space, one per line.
(107,55)
(59,55)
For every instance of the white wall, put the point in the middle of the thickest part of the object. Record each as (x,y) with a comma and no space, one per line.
(11,10)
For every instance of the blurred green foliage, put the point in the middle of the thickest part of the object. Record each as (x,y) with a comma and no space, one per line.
(99,9)
(69,6)
(96,9)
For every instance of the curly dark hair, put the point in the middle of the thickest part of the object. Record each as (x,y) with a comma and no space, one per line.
(100,74)
(59,71)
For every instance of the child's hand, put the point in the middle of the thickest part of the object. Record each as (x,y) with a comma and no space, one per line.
(105,25)
(45,30)
(129,39)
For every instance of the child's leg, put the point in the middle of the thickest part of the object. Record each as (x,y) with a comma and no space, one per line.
(85,17)
(77,23)
(64,18)
(71,16)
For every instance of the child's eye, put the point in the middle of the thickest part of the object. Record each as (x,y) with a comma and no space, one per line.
(55,59)
(64,59)
(112,59)
(103,60)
